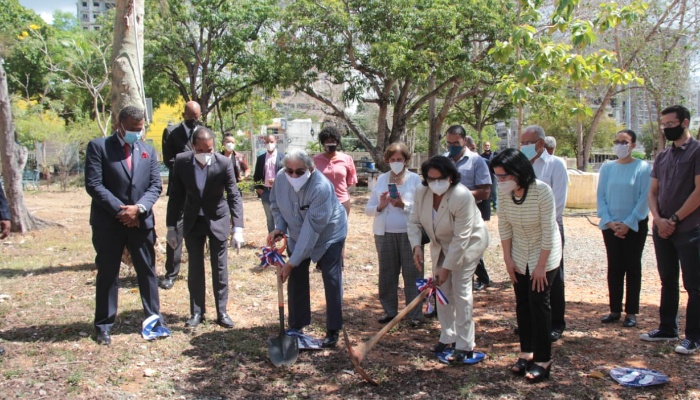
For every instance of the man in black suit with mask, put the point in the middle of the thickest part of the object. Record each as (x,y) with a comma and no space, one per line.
(176,140)
(123,178)
(204,190)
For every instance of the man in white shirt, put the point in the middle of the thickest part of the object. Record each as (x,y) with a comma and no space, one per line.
(552,171)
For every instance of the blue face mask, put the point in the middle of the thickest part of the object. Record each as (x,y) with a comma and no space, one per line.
(529,151)
(131,137)
(455,150)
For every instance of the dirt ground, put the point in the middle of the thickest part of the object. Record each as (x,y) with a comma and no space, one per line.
(47,302)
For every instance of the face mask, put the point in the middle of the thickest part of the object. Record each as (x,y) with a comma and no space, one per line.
(673,134)
(621,150)
(439,187)
(203,158)
(507,186)
(331,148)
(191,123)
(455,150)
(131,137)
(299,181)
(397,167)
(271,147)
(230,146)
(529,151)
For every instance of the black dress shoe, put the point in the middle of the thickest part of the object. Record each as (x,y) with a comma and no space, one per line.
(538,373)
(225,321)
(194,320)
(479,285)
(610,318)
(104,338)
(440,347)
(2,351)
(167,283)
(386,319)
(629,322)
(331,339)
(555,335)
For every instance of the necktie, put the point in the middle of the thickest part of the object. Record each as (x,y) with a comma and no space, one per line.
(127,155)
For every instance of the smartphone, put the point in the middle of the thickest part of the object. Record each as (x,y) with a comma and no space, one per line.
(393,191)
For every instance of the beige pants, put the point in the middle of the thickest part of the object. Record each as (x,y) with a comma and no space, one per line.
(456,316)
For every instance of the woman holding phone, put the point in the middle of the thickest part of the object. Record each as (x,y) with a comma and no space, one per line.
(390,204)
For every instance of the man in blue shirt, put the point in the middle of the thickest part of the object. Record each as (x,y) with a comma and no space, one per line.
(474,174)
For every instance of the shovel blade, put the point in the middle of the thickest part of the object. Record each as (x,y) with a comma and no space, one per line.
(283,350)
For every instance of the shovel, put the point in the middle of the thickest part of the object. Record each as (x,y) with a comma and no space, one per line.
(283,349)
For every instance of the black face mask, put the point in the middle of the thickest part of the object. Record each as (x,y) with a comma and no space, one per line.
(331,148)
(191,123)
(673,134)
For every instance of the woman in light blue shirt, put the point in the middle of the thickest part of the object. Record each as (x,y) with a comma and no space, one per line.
(390,210)
(623,208)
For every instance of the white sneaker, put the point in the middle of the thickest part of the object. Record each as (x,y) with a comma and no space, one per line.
(687,346)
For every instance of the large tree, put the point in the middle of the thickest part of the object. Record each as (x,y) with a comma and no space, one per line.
(397,55)
(210,50)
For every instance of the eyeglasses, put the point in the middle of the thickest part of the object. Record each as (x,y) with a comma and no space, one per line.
(622,142)
(295,172)
(429,179)
(671,124)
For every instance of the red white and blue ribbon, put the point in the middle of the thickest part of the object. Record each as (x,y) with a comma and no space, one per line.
(271,256)
(428,284)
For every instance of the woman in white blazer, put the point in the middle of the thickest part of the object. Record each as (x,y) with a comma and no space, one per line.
(531,251)
(448,214)
(390,211)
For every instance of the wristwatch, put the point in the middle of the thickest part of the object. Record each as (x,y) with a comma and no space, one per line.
(675,218)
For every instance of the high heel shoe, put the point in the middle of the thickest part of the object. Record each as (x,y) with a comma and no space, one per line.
(521,366)
(538,373)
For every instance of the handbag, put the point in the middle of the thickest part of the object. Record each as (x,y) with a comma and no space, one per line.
(424,238)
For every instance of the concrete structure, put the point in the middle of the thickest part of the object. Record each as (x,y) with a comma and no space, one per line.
(90,10)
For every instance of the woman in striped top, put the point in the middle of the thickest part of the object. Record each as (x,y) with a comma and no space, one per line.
(531,251)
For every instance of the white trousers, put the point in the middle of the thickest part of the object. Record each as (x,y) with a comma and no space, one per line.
(456,316)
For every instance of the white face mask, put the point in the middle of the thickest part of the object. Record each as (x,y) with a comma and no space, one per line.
(203,158)
(299,181)
(230,146)
(439,187)
(621,150)
(507,186)
(271,147)
(397,167)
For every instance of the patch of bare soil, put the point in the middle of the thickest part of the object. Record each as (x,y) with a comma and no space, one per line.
(47,288)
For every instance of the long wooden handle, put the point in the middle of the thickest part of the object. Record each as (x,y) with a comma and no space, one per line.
(280,302)
(373,341)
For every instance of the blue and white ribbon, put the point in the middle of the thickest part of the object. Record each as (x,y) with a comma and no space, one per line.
(428,284)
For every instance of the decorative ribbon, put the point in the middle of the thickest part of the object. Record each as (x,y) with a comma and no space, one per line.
(428,284)
(271,257)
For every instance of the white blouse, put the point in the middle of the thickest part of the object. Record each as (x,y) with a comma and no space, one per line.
(392,219)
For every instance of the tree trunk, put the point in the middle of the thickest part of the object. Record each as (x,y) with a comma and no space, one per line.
(14,158)
(127,57)
(434,126)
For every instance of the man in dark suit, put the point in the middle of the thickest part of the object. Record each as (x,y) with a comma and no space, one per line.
(266,167)
(4,225)
(200,179)
(176,140)
(123,179)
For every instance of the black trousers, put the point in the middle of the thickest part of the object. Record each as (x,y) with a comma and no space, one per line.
(481,274)
(196,283)
(534,315)
(558,297)
(109,242)
(298,295)
(625,259)
(173,257)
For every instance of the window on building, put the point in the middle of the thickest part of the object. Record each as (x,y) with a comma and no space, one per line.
(85,4)
(96,4)
(86,17)
(94,16)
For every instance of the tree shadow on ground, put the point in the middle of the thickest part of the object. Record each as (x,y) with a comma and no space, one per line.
(13,273)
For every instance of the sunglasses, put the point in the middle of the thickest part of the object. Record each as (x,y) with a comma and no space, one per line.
(295,172)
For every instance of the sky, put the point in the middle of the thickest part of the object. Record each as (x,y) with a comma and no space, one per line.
(46,8)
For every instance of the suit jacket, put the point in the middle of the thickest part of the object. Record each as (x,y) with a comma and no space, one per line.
(110,184)
(4,208)
(460,233)
(175,141)
(218,210)
(259,174)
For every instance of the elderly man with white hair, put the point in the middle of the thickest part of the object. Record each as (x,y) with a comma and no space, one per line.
(304,205)
(552,171)
(550,144)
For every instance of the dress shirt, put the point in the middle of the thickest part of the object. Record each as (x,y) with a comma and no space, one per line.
(200,178)
(623,193)
(313,217)
(531,226)
(392,219)
(270,171)
(552,171)
(473,170)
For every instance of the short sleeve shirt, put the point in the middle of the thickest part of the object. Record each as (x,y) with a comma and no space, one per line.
(340,170)
(473,170)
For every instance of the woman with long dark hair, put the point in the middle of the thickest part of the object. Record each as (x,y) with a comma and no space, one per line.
(531,251)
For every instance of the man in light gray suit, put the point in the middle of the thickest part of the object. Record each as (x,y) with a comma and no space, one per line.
(200,180)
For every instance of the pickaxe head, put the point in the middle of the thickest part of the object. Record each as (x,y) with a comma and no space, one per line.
(356,358)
